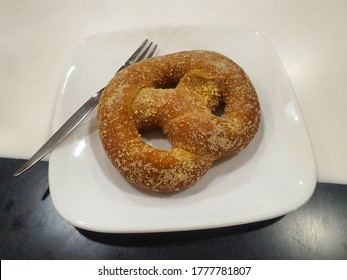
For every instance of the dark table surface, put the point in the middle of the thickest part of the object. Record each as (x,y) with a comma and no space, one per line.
(32,229)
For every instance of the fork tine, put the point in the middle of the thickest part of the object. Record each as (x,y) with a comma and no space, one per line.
(153,51)
(143,54)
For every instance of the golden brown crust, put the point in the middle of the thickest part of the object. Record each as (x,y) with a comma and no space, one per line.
(178,93)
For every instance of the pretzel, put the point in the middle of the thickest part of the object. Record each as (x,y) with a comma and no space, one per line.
(177,93)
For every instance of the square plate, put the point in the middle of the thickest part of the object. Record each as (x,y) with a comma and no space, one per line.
(274,175)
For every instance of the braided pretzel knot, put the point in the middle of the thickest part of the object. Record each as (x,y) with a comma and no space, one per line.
(177,93)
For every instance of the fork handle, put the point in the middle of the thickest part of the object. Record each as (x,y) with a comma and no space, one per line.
(62,132)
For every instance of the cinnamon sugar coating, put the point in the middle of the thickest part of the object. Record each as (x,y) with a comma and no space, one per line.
(177,93)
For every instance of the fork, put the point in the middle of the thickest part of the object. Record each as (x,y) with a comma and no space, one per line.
(144,51)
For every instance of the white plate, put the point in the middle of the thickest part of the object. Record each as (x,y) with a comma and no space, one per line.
(274,175)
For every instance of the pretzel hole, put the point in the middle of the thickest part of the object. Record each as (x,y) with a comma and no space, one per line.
(167,83)
(156,138)
(220,110)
